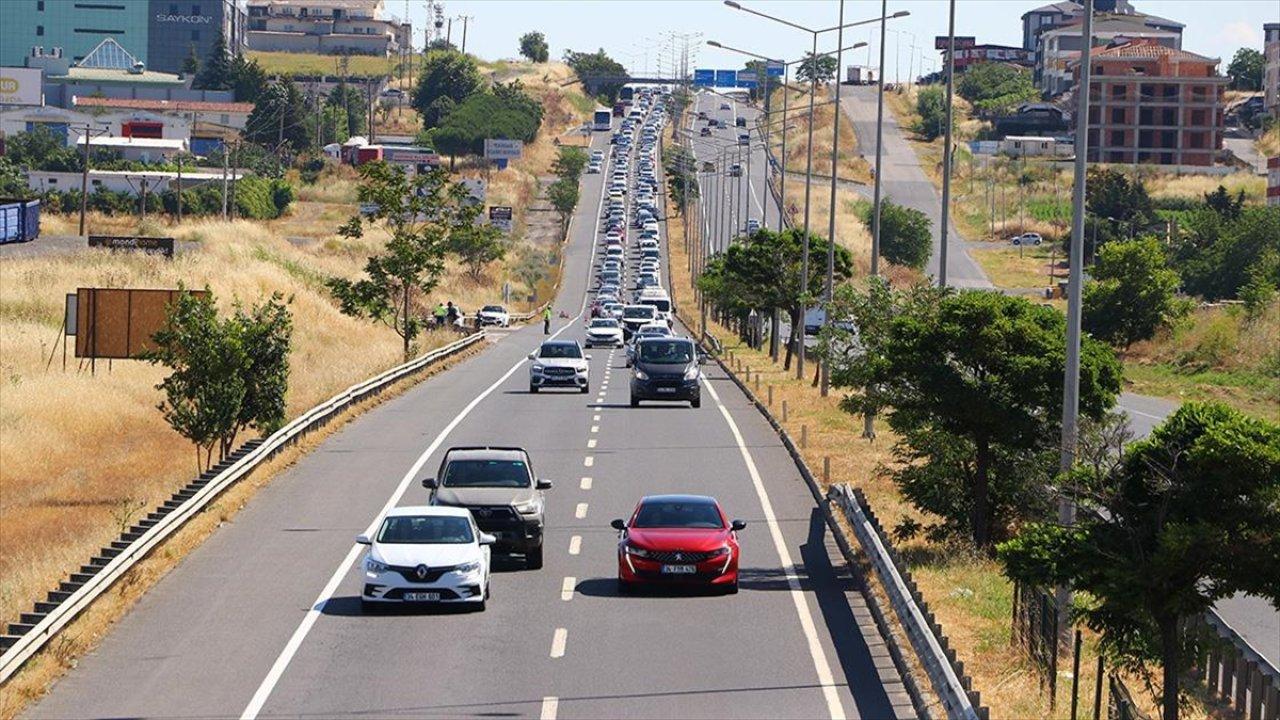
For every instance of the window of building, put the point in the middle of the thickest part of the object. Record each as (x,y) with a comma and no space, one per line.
(1118,92)
(1197,117)
(1117,115)
(39,31)
(53,181)
(225,119)
(95,182)
(1117,137)
(39,5)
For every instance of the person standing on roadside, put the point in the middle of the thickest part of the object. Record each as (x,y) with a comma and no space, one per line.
(439,314)
(546,320)
(451,314)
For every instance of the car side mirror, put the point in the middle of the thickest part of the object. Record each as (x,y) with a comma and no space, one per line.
(543,485)
(587,356)
(487,539)
(533,356)
(429,483)
(618,524)
(363,540)
(738,525)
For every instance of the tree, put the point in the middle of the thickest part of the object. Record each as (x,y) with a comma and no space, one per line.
(216,73)
(1185,518)
(823,68)
(1113,196)
(533,45)
(1132,292)
(906,235)
(563,195)
(590,66)
(446,73)
(477,246)
(437,111)
(13,180)
(281,116)
(680,167)
(248,79)
(1221,202)
(344,113)
(420,214)
(1214,254)
(996,88)
(1246,69)
(508,112)
(191,64)
(226,375)
(570,162)
(974,383)
(932,109)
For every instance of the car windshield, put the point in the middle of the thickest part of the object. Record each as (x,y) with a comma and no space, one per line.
(560,350)
(486,473)
(661,305)
(638,312)
(429,529)
(604,323)
(492,308)
(672,352)
(678,514)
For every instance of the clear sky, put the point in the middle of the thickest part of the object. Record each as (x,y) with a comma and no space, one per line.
(636,32)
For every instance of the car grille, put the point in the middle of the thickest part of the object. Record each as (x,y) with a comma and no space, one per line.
(495,517)
(410,574)
(678,556)
(557,371)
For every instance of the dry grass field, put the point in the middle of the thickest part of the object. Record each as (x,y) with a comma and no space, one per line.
(853,166)
(82,455)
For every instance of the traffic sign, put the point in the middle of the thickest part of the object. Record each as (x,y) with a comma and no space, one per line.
(746,79)
(774,69)
(726,78)
(500,149)
(704,78)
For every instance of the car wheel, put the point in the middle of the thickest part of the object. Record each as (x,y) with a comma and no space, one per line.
(635,401)
(1016,241)
(586,389)
(1037,241)
(533,559)
(533,389)
(696,402)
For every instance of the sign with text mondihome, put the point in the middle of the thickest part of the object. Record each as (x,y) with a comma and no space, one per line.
(501,149)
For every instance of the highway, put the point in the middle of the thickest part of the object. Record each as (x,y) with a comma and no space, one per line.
(263,619)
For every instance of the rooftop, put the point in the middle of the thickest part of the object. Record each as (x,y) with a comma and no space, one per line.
(1149,50)
(162,105)
(111,75)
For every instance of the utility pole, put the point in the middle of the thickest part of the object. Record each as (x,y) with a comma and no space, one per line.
(144,197)
(465,20)
(1071,384)
(825,380)
(84,178)
(946,149)
(178,194)
(226,152)
(368,91)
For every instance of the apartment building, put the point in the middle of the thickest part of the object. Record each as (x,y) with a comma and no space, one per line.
(326,26)
(1150,103)
(1059,48)
(1271,80)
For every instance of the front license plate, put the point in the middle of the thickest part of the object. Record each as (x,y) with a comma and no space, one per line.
(679,569)
(666,390)
(421,596)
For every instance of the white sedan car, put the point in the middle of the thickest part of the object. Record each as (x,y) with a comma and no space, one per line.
(604,331)
(494,315)
(429,554)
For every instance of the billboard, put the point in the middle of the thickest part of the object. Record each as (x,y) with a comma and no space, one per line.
(120,322)
(410,155)
(942,42)
(704,78)
(726,78)
(20,86)
(499,149)
(501,217)
(146,245)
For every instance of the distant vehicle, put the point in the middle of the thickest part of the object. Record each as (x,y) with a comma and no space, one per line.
(744,139)
(494,315)
(619,109)
(859,75)
(704,132)
(735,170)
(651,330)
(753,226)
(740,121)
(666,368)
(604,331)
(725,106)
(635,316)
(1027,239)
(593,168)
(426,554)
(559,363)
(498,486)
(702,114)
(678,539)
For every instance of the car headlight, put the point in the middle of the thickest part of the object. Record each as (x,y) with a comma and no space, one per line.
(532,507)
(582,370)
(636,550)
(467,568)
(641,375)
(536,368)
(719,552)
(374,566)
(691,373)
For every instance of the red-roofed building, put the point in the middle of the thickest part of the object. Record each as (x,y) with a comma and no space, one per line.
(1151,103)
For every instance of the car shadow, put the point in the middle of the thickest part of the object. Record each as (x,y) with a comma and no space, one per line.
(608,588)
(349,606)
(673,405)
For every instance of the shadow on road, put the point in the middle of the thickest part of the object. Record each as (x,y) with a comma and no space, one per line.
(349,606)
(608,587)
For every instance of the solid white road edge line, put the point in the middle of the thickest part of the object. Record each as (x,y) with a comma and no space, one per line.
(816,651)
(550,705)
(309,620)
(557,642)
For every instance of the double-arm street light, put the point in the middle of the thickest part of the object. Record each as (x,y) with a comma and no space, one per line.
(813,91)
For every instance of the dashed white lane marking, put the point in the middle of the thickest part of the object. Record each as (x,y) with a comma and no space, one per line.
(588,461)
(595,418)
(566,589)
(557,642)
(586,483)
(595,428)
(591,443)
(807,625)
(550,705)
(575,544)
(580,511)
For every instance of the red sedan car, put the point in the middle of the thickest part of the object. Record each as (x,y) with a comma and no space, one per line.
(678,540)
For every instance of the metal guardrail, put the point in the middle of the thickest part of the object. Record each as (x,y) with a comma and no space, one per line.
(946,682)
(1234,671)
(43,631)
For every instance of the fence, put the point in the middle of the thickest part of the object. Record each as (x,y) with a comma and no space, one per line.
(1035,631)
(1234,672)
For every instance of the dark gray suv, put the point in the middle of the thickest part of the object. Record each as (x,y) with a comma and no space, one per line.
(498,486)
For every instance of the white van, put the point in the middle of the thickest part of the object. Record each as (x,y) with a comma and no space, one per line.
(659,300)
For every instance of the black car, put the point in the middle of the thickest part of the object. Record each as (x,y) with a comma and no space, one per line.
(666,368)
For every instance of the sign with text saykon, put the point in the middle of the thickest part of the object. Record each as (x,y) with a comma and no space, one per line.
(20,86)
(499,149)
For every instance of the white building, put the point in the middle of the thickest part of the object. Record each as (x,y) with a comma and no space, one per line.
(326,26)
(137,149)
(128,181)
(1024,146)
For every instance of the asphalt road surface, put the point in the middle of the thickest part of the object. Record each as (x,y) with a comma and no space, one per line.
(263,619)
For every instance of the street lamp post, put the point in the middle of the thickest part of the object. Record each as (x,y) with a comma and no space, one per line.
(875,210)
(946,148)
(831,214)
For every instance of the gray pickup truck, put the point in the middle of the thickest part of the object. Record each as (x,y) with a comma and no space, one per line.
(498,486)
